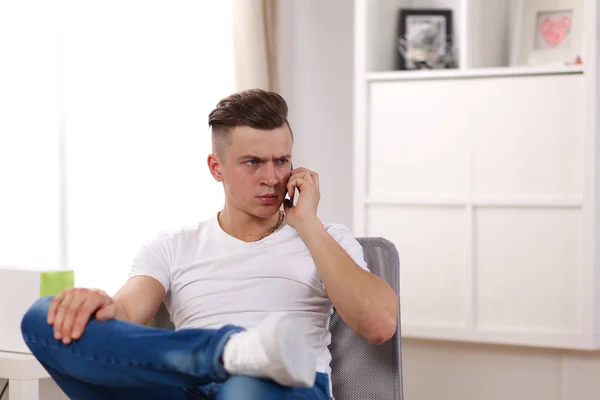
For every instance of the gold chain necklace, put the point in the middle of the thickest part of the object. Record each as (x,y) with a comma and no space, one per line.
(277,225)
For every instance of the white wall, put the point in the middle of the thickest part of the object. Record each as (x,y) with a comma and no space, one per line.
(316,61)
(446,370)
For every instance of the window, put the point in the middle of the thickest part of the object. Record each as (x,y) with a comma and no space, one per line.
(139,79)
(29,157)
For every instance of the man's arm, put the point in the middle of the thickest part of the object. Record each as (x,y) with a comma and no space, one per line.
(149,281)
(138,300)
(366,303)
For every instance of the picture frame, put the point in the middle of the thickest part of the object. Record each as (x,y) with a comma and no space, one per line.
(425,39)
(547,32)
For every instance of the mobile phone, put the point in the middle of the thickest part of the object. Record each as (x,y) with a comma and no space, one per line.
(289,201)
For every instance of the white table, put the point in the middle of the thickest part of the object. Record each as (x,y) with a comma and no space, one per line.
(23,372)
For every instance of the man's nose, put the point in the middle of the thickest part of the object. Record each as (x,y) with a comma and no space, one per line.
(270,176)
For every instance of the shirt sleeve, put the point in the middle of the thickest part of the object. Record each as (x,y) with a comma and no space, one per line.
(348,242)
(154,260)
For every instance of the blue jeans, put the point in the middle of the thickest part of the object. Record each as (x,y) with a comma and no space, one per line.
(120,360)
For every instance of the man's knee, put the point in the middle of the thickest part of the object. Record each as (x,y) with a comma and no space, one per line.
(35,320)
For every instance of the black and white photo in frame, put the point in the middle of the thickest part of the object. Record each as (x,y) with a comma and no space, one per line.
(425,39)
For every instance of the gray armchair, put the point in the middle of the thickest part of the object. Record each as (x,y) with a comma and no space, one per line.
(360,371)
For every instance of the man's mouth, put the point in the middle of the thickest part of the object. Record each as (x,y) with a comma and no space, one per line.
(269,198)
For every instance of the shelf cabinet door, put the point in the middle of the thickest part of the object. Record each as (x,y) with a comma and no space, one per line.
(479,183)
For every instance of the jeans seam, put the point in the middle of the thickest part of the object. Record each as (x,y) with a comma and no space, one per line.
(33,340)
(211,389)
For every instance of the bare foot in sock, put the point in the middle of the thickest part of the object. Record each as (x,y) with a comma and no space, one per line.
(274,349)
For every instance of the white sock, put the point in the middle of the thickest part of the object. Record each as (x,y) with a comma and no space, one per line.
(274,349)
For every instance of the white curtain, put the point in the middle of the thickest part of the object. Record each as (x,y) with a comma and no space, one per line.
(139,79)
(255,33)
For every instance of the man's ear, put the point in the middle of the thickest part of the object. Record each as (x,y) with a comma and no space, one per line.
(214,166)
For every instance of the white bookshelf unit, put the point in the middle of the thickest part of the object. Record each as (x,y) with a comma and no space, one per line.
(485,177)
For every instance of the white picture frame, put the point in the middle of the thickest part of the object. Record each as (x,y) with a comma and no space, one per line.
(547,32)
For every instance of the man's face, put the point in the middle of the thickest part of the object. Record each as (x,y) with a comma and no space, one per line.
(256,168)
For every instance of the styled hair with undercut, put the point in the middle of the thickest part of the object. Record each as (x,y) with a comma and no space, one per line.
(256,108)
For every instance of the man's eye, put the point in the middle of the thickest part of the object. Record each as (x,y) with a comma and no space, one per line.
(252,162)
(283,161)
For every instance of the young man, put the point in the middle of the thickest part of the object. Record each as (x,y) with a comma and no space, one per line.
(250,290)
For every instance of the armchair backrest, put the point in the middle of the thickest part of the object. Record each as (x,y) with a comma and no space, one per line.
(362,371)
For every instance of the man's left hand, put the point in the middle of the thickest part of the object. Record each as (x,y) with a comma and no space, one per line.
(306,182)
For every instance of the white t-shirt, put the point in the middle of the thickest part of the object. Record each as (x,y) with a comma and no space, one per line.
(212,279)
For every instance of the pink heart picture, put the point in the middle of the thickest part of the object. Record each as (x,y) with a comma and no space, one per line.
(555,30)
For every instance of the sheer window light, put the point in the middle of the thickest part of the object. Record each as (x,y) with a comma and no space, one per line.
(138,81)
(141,80)
(29,152)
